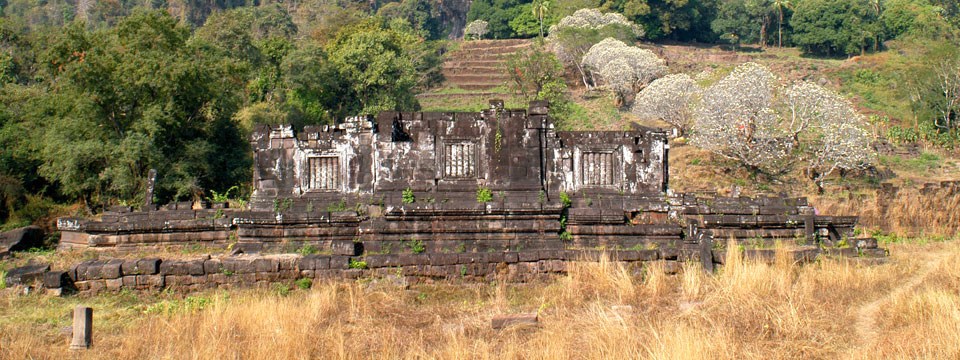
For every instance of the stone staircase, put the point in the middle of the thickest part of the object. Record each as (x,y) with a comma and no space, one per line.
(478,65)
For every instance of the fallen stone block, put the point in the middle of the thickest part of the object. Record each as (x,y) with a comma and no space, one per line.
(21,239)
(26,275)
(505,320)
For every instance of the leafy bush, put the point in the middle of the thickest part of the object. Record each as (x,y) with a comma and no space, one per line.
(304,283)
(565,199)
(408,196)
(484,194)
(358,264)
(416,245)
(308,249)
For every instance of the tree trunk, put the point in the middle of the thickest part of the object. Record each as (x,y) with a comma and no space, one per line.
(763,34)
(780,28)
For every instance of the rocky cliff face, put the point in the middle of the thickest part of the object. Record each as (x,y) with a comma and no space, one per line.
(453,14)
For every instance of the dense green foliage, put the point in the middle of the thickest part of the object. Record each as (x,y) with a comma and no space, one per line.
(836,27)
(88,110)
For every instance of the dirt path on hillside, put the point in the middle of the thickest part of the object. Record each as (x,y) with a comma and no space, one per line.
(866,325)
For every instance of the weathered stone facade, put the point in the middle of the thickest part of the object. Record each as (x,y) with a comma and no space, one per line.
(412,183)
(516,152)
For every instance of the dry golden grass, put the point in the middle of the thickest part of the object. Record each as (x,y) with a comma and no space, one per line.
(909,212)
(600,310)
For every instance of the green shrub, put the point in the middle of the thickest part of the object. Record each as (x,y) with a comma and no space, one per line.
(355,264)
(308,249)
(408,196)
(282,205)
(565,199)
(304,283)
(484,194)
(416,246)
(338,206)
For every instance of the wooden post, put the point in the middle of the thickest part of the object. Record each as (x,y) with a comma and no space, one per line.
(82,327)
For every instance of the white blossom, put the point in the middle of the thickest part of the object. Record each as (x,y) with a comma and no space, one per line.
(593,18)
(835,135)
(644,65)
(477,28)
(670,99)
(735,119)
(748,117)
(569,44)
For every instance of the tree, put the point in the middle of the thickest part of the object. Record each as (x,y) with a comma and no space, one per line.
(780,5)
(374,63)
(538,75)
(761,11)
(828,130)
(686,20)
(736,119)
(540,7)
(915,18)
(947,84)
(530,70)
(623,69)
(498,13)
(749,118)
(477,28)
(423,16)
(574,35)
(140,96)
(831,27)
(747,20)
(670,99)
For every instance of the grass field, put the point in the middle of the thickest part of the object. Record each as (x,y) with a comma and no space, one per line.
(906,308)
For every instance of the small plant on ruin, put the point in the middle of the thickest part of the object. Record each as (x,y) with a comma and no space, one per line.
(218,214)
(281,289)
(304,283)
(416,245)
(541,196)
(463,271)
(565,199)
(338,206)
(308,249)
(462,247)
(408,196)
(842,243)
(226,271)
(282,205)
(218,197)
(387,247)
(3,279)
(566,236)
(484,194)
(355,264)
(310,207)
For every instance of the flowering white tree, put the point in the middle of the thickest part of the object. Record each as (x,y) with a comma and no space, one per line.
(671,99)
(575,34)
(622,68)
(748,117)
(477,28)
(832,133)
(736,119)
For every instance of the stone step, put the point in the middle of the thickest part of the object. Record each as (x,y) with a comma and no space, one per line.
(485,44)
(475,78)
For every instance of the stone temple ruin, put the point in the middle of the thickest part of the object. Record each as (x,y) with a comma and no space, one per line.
(440,194)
